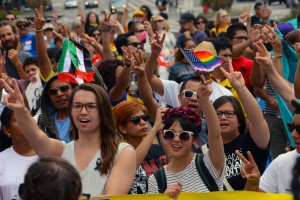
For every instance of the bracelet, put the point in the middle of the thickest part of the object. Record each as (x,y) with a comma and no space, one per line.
(277,56)
(106,28)
(38,30)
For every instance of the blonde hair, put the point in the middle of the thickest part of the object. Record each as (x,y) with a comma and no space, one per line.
(217,15)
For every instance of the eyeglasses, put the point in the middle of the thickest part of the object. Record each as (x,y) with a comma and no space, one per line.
(90,107)
(189,94)
(54,91)
(291,127)
(223,16)
(22,25)
(200,22)
(241,37)
(10,19)
(139,31)
(227,113)
(95,34)
(135,44)
(137,119)
(184,136)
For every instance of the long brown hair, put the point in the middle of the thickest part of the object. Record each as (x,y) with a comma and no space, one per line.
(109,141)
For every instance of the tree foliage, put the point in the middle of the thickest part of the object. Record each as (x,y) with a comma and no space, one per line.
(36,3)
(216,5)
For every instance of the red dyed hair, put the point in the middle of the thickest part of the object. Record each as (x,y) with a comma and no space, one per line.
(124,110)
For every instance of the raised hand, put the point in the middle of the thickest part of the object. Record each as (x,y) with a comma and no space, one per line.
(157,44)
(204,89)
(39,21)
(148,28)
(262,56)
(249,170)
(235,78)
(274,39)
(13,55)
(158,124)
(2,61)
(65,31)
(245,16)
(105,25)
(15,99)
(127,56)
(138,65)
(255,33)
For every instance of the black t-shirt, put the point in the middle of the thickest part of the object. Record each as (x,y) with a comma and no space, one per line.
(243,143)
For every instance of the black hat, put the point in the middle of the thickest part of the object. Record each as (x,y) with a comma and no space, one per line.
(296,104)
(186,17)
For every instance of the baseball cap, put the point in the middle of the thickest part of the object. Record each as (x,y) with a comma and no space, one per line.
(48,26)
(285,27)
(156,18)
(22,21)
(138,12)
(186,17)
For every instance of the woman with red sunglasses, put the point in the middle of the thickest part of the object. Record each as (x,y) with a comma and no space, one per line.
(181,129)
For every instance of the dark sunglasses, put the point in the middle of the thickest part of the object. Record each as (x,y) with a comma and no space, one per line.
(184,136)
(139,31)
(54,91)
(135,44)
(48,29)
(227,113)
(200,22)
(137,119)
(291,127)
(189,94)
(22,25)
(241,37)
(95,34)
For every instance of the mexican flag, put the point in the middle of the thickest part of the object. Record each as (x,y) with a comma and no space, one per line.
(75,64)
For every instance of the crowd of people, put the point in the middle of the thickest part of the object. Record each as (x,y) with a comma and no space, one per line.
(115,98)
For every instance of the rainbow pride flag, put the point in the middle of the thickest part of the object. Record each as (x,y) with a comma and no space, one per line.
(202,60)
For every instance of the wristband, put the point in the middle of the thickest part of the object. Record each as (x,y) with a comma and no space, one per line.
(38,30)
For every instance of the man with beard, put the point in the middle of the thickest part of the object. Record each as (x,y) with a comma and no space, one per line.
(188,29)
(14,57)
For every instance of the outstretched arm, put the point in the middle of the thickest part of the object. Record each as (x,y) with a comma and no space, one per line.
(44,61)
(258,127)
(297,75)
(105,27)
(155,83)
(119,88)
(215,142)
(144,87)
(40,142)
(279,84)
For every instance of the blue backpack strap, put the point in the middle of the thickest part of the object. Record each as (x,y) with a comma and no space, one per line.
(161,180)
(206,177)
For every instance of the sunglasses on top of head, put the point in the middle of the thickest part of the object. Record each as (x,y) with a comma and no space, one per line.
(137,119)
(184,136)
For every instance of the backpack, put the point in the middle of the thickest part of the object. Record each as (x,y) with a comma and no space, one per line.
(206,177)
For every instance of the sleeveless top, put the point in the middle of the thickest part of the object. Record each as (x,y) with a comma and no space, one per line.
(92,182)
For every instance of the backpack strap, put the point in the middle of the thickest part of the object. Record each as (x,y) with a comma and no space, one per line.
(207,178)
(161,180)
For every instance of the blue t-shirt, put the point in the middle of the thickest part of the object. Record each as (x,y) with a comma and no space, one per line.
(63,128)
(28,43)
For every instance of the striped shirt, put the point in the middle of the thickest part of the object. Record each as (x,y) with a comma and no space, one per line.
(189,177)
(269,109)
